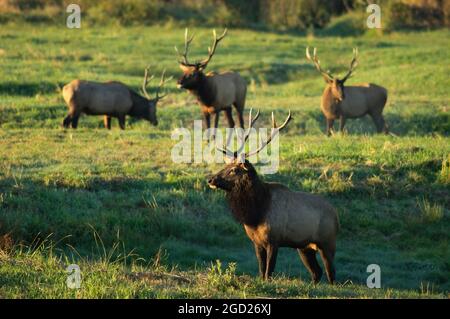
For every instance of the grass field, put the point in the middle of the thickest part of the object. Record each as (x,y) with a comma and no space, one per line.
(141,226)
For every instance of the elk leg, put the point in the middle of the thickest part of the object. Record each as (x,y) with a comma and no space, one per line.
(229,116)
(231,124)
(216,124)
(328,258)
(67,121)
(342,123)
(308,257)
(272,252)
(330,123)
(240,118)
(380,123)
(107,121)
(121,121)
(261,254)
(207,117)
(239,105)
(75,119)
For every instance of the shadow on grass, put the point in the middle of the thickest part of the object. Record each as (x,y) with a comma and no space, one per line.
(147,212)
(30,89)
(416,124)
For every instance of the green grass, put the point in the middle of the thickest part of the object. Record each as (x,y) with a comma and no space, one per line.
(392,193)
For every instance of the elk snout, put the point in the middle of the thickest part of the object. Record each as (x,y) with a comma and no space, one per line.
(180,84)
(212,183)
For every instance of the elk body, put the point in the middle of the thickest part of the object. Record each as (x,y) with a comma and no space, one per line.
(215,92)
(111,99)
(344,102)
(274,216)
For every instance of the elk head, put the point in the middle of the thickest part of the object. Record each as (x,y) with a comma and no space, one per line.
(336,84)
(193,72)
(240,171)
(150,113)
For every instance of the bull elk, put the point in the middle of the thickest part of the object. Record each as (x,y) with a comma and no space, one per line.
(110,99)
(274,216)
(343,102)
(215,92)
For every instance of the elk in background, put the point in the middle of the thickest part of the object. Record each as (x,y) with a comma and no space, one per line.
(343,102)
(215,92)
(111,99)
(274,216)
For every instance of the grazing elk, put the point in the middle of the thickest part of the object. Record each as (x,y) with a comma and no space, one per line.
(342,102)
(274,216)
(111,99)
(215,92)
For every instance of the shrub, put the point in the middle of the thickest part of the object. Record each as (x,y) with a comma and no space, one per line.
(126,12)
(315,13)
(414,14)
(350,24)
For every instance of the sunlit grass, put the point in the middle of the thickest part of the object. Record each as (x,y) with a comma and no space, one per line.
(391,191)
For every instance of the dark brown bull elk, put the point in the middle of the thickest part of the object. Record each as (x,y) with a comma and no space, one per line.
(215,92)
(274,216)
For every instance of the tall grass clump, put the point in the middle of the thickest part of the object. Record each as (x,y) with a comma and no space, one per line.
(430,213)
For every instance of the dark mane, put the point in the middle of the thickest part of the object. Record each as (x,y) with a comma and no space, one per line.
(205,93)
(250,200)
(140,105)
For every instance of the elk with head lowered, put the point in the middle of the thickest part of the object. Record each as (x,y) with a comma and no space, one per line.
(343,102)
(215,92)
(274,216)
(110,99)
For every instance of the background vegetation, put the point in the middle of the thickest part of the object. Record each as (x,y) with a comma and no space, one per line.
(267,14)
(140,226)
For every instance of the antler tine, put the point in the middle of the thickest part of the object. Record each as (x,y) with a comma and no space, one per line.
(316,62)
(187,43)
(161,84)
(251,122)
(353,64)
(212,50)
(275,131)
(146,81)
(226,152)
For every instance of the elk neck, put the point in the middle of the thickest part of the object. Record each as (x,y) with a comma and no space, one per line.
(329,103)
(250,200)
(205,90)
(139,108)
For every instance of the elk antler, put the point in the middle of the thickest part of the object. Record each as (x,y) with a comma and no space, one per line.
(146,81)
(316,62)
(274,132)
(187,42)
(251,122)
(161,84)
(353,65)
(212,50)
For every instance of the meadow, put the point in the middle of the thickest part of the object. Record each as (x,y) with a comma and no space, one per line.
(140,226)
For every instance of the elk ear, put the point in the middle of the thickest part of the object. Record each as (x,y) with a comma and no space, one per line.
(187,69)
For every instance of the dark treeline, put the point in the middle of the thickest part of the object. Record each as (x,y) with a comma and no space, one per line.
(271,14)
